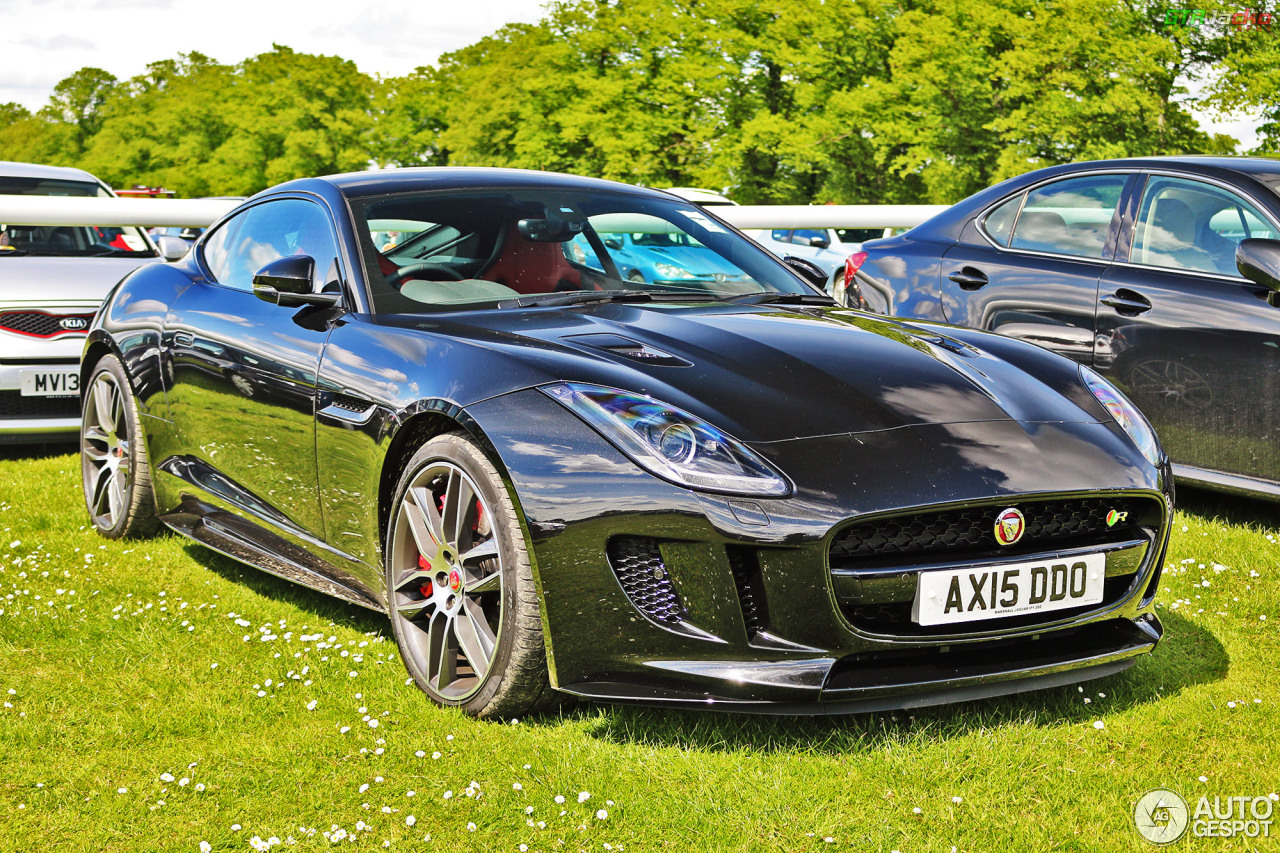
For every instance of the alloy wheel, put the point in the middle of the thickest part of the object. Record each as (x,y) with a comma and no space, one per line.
(106,452)
(447,581)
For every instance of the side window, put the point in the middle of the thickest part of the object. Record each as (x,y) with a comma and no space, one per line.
(999,222)
(1191,225)
(215,248)
(804,235)
(272,230)
(1070,217)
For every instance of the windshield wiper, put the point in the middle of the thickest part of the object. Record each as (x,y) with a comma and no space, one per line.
(773,297)
(11,250)
(588,297)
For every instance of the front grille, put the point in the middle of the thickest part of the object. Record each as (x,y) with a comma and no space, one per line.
(14,406)
(961,533)
(885,554)
(42,325)
(637,563)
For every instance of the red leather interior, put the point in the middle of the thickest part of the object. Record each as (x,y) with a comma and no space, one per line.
(529,267)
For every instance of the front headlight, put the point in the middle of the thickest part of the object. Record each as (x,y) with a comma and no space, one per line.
(1125,413)
(673,272)
(670,443)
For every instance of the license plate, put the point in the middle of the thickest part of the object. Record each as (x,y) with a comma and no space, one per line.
(947,596)
(49,383)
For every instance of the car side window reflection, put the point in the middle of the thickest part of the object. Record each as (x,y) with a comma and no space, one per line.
(999,222)
(269,231)
(1069,217)
(1192,225)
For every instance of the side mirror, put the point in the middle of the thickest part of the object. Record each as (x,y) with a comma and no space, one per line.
(287,281)
(819,242)
(808,270)
(613,243)
(172,248)
(1259,261)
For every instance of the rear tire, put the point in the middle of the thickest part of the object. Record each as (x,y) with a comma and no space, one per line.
(114,470)
(460,591)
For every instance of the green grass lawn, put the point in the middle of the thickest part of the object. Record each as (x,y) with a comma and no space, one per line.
(156,696)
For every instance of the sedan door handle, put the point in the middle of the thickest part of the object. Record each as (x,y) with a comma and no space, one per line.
(1127,302)
(969,278)
(184,339)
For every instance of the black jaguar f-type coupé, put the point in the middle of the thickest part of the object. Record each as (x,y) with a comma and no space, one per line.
(432,392)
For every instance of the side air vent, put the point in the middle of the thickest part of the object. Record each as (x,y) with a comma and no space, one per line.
(637,563)
(746,577)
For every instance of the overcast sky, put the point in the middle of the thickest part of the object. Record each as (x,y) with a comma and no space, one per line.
(43,42)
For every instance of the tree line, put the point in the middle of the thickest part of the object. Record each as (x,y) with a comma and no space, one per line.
(786,101)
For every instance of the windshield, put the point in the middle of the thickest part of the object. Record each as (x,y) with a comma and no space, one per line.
(466,250)
(66,240)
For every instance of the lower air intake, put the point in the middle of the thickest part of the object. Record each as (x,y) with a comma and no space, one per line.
(637,563)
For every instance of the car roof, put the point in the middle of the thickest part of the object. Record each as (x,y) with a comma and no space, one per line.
(11,169)
(357,184)
(1248,165)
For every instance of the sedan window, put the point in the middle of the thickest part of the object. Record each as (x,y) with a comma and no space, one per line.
(1192,225)
(1070,217)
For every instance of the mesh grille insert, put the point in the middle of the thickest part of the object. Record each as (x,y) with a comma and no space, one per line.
(637,563)
(971,530)
(14,406)
(746,577)
(40,324)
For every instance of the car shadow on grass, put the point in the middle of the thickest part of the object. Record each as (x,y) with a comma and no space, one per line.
(22,452)
(275,588)
(1190,655)
(1251,512)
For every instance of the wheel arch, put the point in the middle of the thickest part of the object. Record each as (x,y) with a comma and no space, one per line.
(419,424)
(422,422)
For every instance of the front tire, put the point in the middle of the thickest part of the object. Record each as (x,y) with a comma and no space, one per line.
(115,472)
(460,591)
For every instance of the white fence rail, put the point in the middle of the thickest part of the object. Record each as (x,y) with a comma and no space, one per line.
(198,213)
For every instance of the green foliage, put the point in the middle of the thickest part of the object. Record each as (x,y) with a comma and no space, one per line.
(773,100)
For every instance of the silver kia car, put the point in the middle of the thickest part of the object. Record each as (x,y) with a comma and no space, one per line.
(52,280)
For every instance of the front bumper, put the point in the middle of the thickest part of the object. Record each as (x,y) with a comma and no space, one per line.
(758,623)
(25,419)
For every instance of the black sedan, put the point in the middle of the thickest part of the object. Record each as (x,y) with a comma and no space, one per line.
(727,493)
(1129,266)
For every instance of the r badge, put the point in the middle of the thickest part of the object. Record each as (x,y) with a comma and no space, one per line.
(1010,526)
(1114,518)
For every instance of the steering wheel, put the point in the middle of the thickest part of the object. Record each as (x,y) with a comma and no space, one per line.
(438,272)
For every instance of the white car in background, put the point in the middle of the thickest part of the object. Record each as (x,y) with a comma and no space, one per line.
(52,280)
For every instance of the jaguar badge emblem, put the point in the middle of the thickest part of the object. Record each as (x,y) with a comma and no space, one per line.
(1010,526)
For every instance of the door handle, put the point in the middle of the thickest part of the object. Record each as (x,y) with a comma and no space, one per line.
(1127,302)
(184,339)
(969,278)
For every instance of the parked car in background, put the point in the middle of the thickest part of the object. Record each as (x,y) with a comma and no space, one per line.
(666,258)
(703,198)
(52,280)
(556,480)
(825,247)
(1159,272)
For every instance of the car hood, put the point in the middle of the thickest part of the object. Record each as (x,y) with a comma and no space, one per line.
(43,280)
(766,373)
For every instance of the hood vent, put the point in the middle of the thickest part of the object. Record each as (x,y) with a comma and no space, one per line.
(628,349)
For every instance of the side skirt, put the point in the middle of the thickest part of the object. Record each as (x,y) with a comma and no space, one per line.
(215,530)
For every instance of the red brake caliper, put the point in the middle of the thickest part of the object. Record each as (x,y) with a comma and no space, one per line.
(425,565)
